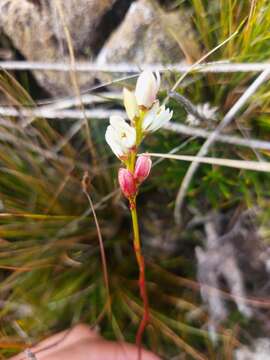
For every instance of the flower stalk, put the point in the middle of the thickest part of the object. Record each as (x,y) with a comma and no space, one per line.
(142,282)
(145,116)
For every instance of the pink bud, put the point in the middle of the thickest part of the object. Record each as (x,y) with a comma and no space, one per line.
(127,183)
(142,168)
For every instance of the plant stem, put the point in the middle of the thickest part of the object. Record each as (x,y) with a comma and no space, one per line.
(100,239)
(142,283)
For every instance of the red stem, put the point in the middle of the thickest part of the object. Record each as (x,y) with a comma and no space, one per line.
(145,319)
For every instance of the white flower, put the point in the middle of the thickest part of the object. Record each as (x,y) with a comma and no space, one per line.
(120,136)
(156,117)
(192,120)
(130,103)
(147,88)
(204,110)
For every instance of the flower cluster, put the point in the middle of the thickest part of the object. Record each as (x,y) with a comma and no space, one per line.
(145,115)
(206,111)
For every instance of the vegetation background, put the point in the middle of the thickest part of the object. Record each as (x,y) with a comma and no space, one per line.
(51,273)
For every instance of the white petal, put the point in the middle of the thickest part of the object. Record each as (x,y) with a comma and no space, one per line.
(119,124)
(112,140)
(123,133)
(146,88)
(162,118)
(130,104)
(150,116)
(116,121)
(130,140)
(165,116)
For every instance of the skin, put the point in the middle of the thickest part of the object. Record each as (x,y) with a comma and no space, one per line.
(81,343)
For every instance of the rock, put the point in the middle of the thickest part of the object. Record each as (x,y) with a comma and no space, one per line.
(260,351)
(82,19)
(150,35)
(109,31)
(36,30)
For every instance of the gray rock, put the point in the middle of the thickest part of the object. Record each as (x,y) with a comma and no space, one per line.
(146,34)
(82,18)
(150,35)
(38,33)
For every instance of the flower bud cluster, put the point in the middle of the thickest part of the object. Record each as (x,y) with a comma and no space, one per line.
(145,115)
(129,181)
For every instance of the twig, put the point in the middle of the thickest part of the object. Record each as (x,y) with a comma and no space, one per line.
(105,114)
(197,63)
(85,183)
(212,138)
(70,102)
(227,139)
(175,150)
(86,100)
(238,164)
(55,114)
(188,106)
(214,67)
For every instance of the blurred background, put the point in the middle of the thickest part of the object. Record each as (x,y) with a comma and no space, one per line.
(63,64)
